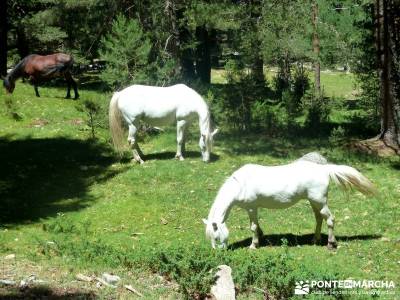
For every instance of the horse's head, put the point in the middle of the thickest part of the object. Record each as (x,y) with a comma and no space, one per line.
(217,233)
(9,85)
(205,144)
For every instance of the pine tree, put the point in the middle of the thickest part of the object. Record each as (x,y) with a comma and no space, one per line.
(126,50)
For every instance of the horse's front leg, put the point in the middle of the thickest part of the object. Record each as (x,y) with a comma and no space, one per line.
(132,141)
(255,228)
(180,139)
(71,81)
(35,86)
(330,221)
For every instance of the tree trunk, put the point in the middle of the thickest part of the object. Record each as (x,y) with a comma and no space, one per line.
(174,40)
(3,37)
(257,66)
(22,44)
(316,49)
(388,49)
(257,69)
(203,58)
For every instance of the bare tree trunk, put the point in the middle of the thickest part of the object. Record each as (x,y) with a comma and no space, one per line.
(257,67)
(387,41)
(174,40)
(316,48)
(3,37)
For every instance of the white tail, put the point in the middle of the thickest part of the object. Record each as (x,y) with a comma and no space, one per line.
(115,121)
(348,177)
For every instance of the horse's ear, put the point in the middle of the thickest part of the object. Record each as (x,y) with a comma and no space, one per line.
(215,227)
(205,221)
(215,131)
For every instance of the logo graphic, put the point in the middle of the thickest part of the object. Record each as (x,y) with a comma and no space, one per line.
(302,288)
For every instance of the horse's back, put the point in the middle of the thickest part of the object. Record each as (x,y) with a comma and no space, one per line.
(36,64)
(152,102)
(281,184)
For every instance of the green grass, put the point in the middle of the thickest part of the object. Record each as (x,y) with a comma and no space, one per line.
(68,204)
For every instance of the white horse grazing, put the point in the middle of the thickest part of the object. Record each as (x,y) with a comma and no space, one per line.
(254,186)
(158,106)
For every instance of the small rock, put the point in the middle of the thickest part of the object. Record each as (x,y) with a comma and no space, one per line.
(385,239)
(224,288)
(110,279)
(25,282)
(163,221)
(9,256)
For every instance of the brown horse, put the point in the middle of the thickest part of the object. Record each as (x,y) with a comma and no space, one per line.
(39,68)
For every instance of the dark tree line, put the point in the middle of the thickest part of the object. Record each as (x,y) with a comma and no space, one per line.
(182,40)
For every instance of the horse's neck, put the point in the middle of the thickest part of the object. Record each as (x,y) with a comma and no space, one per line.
(222,205)
(15,74)
(204,120)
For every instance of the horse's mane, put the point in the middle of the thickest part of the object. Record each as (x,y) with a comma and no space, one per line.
(314,157)
(16,71)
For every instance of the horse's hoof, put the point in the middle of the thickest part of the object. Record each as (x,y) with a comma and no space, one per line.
(332,246)
(253,247)
(134,161)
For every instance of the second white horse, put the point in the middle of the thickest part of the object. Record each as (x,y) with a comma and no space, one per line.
(254,186)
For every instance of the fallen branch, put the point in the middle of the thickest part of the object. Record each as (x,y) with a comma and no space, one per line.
(82,277)
(133,290)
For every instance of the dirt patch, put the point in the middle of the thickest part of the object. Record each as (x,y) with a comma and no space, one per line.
(57,282)
(38,123)
(77,122)
(48,283)
(45,292)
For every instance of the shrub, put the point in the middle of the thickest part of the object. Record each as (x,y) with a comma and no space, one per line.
(317,109)
(337,136)
(96,112)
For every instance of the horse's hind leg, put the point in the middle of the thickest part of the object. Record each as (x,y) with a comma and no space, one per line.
(132,141)
(180,138)
(330,221)
(68,96)
(255,228)
(318,218)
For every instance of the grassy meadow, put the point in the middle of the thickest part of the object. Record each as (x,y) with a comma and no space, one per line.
(69,205)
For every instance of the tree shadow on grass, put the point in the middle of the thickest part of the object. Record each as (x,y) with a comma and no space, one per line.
(170,155)
(43,292)
(298,240)
(42,177)
(280,147)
